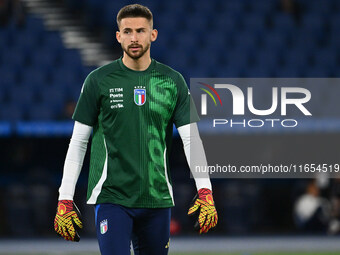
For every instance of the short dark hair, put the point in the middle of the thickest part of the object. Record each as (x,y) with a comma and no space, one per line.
(134,11)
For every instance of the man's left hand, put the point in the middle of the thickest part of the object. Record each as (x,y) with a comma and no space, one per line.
(207,217)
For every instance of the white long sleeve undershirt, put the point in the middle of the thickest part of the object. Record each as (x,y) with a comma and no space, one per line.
(74,160)
(78,145)
(195,155)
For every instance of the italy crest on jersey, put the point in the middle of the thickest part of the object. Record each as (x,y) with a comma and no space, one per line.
(140,96)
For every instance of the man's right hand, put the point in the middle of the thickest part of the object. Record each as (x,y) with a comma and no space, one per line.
(67,221)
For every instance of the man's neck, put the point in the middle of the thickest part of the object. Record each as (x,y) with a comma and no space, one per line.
(140,64)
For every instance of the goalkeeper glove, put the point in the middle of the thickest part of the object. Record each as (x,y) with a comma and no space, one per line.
(207,217)
(67,220)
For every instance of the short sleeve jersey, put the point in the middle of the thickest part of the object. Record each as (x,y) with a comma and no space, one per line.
(132,114)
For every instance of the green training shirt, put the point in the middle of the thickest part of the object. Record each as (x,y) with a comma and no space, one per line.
(132,114)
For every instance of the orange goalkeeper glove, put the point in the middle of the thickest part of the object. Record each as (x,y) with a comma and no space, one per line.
(207,217)
(67,220)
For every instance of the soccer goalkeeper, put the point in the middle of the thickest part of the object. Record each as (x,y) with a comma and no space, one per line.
(131,105)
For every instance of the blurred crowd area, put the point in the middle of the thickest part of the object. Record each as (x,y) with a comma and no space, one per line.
(279,38)
(40,80)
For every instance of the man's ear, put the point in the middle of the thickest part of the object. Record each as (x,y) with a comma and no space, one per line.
(118,36)
(154,34)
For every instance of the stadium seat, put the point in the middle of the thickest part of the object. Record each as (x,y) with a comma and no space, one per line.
(199,71)
(326,58)
(187,42)
(70,58)
(34,75)
(296,58)
(168,23)
(334,41)
(207,60)
(335,23)
(178,59)
(269,57)
(274,40)
(53,41)
(13,58)
(317,71)
(176,8)
(215,40)
(163,42)
(86,70)
(238,57)
(260,71)
(9,77)
(67,77)
(282,22)
(226,23)
(233,6)
(40,112)
(314,23)
(22,96)
(318,7)
(304,40)
(154,6)
(254,22)
(45,58)
(25,46)
(196,23)
(203,6)
(4,39)
(288,72)
(107,11)
(228,71)
(262,7)
(246,40)
(34,24)
(3,94)
(53,98)
(34,86)
(11,112)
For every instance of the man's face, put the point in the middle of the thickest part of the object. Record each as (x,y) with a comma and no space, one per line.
(135,36)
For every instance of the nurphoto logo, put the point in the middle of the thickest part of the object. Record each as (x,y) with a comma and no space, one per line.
(244,101)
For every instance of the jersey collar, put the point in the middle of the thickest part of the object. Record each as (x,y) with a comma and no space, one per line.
(125,68)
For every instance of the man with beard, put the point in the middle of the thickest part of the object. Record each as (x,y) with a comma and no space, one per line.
(131,104)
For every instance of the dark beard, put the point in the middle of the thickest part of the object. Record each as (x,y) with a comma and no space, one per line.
(139,55)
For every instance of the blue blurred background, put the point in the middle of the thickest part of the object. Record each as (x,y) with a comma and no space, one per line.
(48,47)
